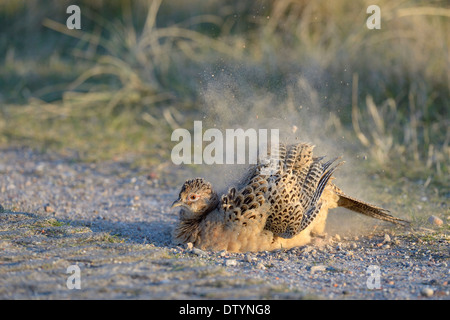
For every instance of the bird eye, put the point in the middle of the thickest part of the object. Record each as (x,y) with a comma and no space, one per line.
(193,197)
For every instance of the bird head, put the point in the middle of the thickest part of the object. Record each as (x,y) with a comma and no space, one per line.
(197,197)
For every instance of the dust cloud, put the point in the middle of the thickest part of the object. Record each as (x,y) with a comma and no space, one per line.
(300,114)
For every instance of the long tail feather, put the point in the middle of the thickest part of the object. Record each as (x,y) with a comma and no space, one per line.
(368,209)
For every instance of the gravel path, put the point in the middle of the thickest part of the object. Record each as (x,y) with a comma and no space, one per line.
(113,222)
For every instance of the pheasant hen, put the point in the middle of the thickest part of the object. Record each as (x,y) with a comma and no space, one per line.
(269,208)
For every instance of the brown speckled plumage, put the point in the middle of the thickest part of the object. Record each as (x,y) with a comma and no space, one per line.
(276,206)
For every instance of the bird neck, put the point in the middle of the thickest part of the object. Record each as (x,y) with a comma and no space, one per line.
(188,228)
(214,202)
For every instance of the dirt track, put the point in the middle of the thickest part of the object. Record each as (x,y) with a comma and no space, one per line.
(114,223)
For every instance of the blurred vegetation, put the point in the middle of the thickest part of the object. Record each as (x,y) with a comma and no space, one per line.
(138,69)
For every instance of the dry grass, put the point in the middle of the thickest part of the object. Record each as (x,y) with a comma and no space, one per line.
(136,71)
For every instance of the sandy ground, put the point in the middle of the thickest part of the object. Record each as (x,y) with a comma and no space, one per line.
(113,223)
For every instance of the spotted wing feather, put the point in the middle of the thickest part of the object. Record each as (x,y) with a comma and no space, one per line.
(245,206)
(294,191)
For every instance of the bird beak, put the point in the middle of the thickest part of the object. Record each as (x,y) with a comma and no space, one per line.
(176,203)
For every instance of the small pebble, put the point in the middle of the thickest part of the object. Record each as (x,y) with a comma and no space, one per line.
(318,268)
(435,221)
(427,292)
(189,246)
(48,208)
(261,266)
(198,252)
(308,249)
(231,262)
(223,253)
